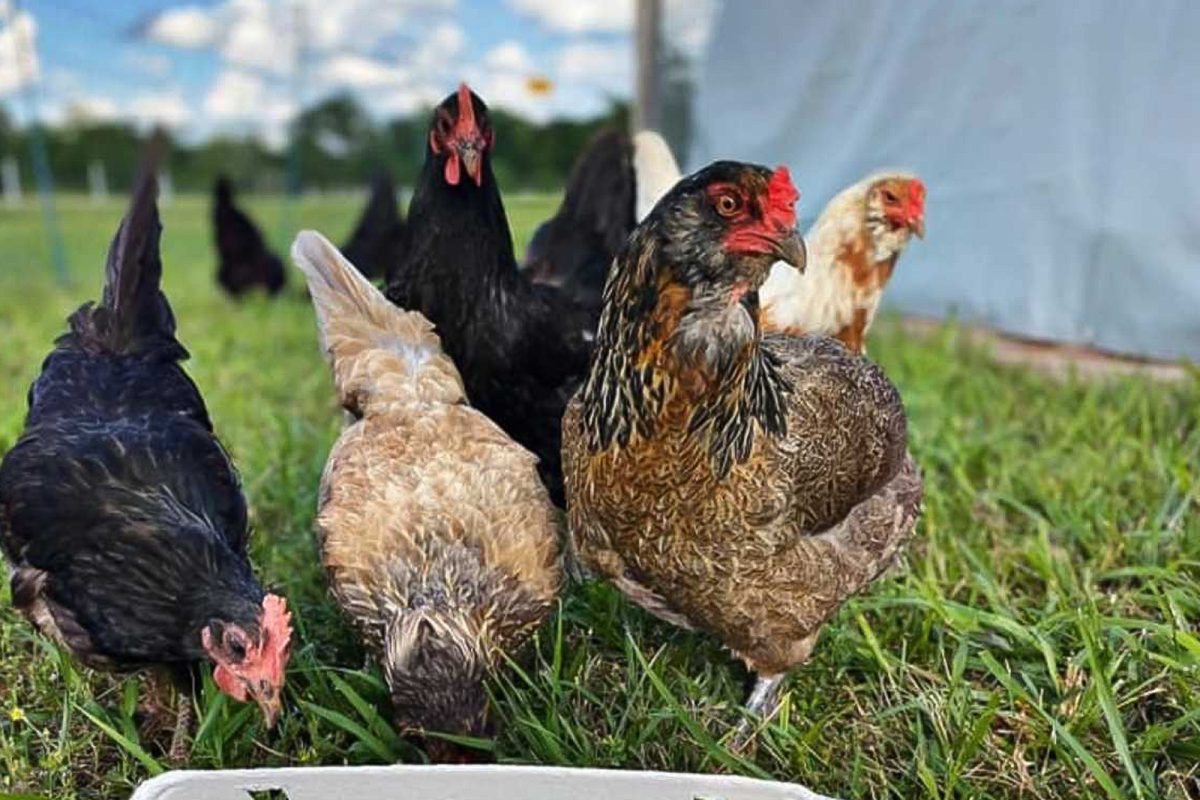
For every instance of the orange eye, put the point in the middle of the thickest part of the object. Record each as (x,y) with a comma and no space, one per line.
(889,197)
(728,204)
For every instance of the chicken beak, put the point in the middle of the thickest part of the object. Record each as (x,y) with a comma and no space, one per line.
(791,250)
(472,159)
(917,226)
(271,708)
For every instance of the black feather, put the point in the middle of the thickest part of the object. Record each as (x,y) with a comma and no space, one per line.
(520,347)
(377,243)
(575,248)
(244,262)
(120,513)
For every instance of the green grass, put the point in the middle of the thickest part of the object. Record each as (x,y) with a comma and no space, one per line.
(1041,642)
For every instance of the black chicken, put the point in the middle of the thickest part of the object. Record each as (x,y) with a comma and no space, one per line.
(521,347)
(121,517)
(245,261)
(574,248)
(377,243)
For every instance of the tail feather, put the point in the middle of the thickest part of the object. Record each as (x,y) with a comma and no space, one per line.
(381,355)
(133,315)
(655,168)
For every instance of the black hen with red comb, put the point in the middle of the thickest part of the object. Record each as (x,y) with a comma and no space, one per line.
(121,516)
(521,347)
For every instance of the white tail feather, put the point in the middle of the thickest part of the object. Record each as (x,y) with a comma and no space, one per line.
(655,169)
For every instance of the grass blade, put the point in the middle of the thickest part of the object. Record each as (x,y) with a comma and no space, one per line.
(134,749)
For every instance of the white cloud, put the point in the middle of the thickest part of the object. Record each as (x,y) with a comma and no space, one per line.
(607,67)
(686,23)
(19,65)
(503,79)
(508,56)
(79,109)
(167,108)
(258,35)
(578,16)
(93,109)
(362,24)
(154,65)
(408,99)
(354,71)
(244,100)
(438,51)
(185,27)
(265,34)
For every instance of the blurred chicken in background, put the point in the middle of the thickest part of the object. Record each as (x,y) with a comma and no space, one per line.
(377,243)
(244,262)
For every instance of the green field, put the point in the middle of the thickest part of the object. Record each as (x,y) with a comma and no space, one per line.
(1041,641)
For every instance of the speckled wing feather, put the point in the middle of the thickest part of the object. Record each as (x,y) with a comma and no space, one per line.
(766,554)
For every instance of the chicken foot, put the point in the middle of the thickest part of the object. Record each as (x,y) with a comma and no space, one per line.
(763,703)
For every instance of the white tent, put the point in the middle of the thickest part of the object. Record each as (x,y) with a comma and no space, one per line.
(1060,142)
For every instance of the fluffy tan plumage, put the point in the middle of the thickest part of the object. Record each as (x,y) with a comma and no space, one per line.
(438,538)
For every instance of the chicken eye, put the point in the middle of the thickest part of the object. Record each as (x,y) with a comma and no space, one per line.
(443,125)
(727,205)
(237,649)
(889,197)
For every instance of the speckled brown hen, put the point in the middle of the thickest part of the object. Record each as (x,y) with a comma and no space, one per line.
(438,538)
(734,483)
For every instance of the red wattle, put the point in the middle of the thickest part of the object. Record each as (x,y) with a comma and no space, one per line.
(228,683)
(452,172)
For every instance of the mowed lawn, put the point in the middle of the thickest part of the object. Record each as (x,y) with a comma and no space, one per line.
(1041,640)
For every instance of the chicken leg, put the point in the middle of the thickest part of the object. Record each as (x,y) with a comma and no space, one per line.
(180,750)
(763,703)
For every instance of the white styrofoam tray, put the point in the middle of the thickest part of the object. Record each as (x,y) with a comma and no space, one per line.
(475,782)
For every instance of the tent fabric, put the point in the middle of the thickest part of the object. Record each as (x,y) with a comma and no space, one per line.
(1060,143)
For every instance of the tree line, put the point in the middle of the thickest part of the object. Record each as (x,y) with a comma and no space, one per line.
(333,144)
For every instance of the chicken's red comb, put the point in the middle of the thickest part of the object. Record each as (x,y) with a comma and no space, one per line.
(276,628)
(466,109)
(781,199)
(915,206)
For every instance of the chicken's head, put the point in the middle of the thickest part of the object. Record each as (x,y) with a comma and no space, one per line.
(435,664)
(251,658)
(723,227)
(896,204)
(461,136)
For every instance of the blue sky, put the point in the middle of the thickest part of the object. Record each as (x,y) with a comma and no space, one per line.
(231,65)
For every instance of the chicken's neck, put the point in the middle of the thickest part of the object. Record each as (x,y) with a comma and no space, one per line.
(462,231)
(661,344)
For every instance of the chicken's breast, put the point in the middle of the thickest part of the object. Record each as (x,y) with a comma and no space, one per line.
(763,555)
(436,500)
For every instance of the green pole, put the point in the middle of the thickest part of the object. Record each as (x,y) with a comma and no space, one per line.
(294,174)
(39,157)
(45,183)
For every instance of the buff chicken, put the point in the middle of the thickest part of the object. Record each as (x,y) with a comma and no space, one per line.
(852,252)
(439,541)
